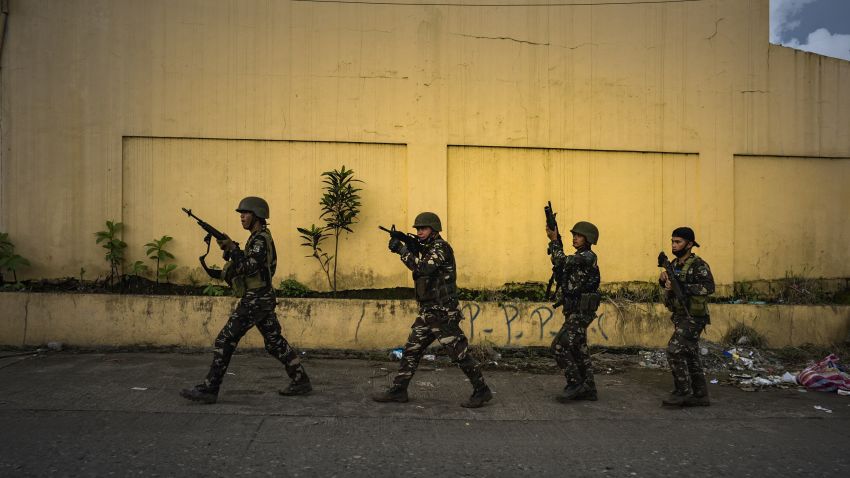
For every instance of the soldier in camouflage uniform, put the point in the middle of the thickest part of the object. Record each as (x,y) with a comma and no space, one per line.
(683,349)
(578,281)
(250,274)
(434,275)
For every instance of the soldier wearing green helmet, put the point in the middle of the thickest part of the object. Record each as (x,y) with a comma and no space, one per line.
(579,284)
(250,274)
(435,279)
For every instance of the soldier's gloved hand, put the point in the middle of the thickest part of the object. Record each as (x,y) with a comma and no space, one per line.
(395,245)
(225,244)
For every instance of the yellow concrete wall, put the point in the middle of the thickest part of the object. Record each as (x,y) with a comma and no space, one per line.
(791,217)
(80,77)
(496,198)
(161,175)
(126,320)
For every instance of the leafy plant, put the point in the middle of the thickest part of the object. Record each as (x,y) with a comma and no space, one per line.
(192,280)
(156,252)
(9,261)
(213,290)
(214,287)
(293,288)
(340,206)
(313,238)
(139,269)
(114,246)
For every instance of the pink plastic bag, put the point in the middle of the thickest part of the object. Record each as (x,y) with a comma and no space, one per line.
(825,376)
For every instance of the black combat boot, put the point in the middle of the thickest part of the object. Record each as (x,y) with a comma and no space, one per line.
(676,399)
(200,393)
(479,398)
(301,388)
(570,392)
(699,397)
(396,393)
(587,392)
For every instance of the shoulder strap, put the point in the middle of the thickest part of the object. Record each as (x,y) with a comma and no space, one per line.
(271,256)
(688,264)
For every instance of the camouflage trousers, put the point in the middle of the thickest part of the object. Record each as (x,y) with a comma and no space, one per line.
(570,349)
(441,324)
(683,352)
(255,309)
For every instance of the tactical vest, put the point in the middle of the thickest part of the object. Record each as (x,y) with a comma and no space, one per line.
(697,304)
(580,287)
(440,288)
(262,278)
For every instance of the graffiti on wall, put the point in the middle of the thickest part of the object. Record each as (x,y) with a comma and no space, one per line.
(513,315)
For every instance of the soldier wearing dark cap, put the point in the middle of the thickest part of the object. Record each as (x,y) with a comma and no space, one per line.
(579,284)
(683,354)
(435,276)
(250,274)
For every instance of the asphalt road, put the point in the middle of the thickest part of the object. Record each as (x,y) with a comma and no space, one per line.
(70,414)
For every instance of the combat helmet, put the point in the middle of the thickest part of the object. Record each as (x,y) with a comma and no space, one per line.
(587,230)
(256,205)
(428,219)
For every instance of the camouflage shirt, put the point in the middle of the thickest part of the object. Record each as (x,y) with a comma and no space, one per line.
(258,262)
(580,271)
(434,272)
(695,275)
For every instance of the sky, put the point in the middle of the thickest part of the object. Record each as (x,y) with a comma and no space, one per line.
(818,26)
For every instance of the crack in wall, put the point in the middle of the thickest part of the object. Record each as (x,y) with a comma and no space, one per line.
(26,320)
(357,330)
(527,42)
(716,29)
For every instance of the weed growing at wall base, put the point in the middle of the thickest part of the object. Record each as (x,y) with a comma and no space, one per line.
(114,246)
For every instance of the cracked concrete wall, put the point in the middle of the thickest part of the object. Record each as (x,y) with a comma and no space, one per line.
(124,320)
(80,77)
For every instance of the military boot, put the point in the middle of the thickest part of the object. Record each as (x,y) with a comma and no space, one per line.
(676,399)
(570,392)
(478,398)
(200,393)
(300,388)
(587,392)
(396,393)
(699,397)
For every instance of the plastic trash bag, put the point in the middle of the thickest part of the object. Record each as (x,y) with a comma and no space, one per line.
(825,376)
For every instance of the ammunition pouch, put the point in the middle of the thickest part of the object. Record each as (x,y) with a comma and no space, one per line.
(586,303)
(234,281)
(255,281)
(435,290)
(589,302)
(697,306)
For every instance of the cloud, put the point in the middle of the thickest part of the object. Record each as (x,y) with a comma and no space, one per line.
(782,13)
(823,42)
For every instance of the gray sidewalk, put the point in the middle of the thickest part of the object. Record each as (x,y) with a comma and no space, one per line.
(78,415)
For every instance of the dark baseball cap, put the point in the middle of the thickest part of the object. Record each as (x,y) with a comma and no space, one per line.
(685,233)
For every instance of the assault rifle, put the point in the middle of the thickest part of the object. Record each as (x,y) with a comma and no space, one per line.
(552,224)
(410,241)
(211,232)
(678,289)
